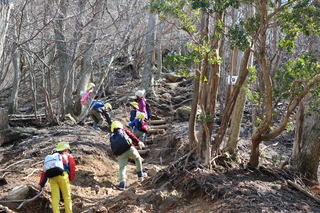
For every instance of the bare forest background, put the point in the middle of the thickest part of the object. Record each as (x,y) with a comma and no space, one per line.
(51,50)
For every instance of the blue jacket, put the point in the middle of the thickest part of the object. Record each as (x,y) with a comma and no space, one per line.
(134,123)
(133,114)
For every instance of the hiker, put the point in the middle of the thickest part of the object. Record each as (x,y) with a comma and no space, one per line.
(98,110)
(59,178)
(85,94)
(142,103)
(133,110)
(106,113)
(122,145)
(140,126)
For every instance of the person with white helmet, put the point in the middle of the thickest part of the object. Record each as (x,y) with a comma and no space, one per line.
(61,182)
(142,102)
(122,145)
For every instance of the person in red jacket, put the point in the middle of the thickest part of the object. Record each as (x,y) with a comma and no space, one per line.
(61,183)
(128,152)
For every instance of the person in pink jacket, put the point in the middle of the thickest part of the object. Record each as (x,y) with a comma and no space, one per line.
(142,103)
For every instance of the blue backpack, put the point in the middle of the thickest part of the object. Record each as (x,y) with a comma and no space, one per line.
(97,104)
(149,110)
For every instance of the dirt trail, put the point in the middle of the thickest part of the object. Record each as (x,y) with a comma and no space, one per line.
(168,189)
(172,186)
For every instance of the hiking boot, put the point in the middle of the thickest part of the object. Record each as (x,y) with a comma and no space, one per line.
(96,128)
(121,186)
(142,175)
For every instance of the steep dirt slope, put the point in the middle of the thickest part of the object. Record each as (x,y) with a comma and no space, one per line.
(173,186)
(176,182)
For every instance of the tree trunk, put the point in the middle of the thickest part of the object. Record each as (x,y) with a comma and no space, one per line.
(237,116)
(307,161)
(298,134)
(204,84)
(3,119)
(5,9)
(63,57)
(148,72)
(255,154)
(231,101)
(159,52)
(264,127)
(236,122)
(13,100)
(193,140)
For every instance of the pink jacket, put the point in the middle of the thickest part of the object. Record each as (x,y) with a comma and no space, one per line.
(142,104)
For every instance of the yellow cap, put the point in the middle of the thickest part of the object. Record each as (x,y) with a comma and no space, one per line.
(62,146)
(134,104)
(107,105)
(90,85)
(141,115)
(116,125)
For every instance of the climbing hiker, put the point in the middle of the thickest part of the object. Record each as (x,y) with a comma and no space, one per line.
(98,110)
(106,113)
(140,126)
(133,110)
(142,103)
(59,167)
(122,145)
(86,94)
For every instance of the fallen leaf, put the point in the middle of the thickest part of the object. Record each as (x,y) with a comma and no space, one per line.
(315,189)
(315,182)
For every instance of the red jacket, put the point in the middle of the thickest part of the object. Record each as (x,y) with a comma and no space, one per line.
(69,167)
(134,139)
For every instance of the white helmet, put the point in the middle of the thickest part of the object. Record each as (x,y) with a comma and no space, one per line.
(140,93)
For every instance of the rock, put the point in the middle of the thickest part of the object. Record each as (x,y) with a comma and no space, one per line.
(182,113)
(166,96)
(165,198)
(18,193)
(172,77)
(3,181)
(153,171)
(70,119)
(169,203)
(99,209)
(10,135)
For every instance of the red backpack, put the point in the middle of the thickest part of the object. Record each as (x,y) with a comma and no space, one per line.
(143,125)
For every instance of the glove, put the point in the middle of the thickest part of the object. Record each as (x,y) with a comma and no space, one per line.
(141,145)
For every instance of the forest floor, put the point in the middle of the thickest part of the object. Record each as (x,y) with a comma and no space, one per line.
(176,182)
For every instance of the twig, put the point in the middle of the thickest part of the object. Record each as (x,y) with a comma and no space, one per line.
(24,200)
(299,188)
(266,147)
(183,157)
(5,174)
(40,162)
(14,164)
(24,178)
